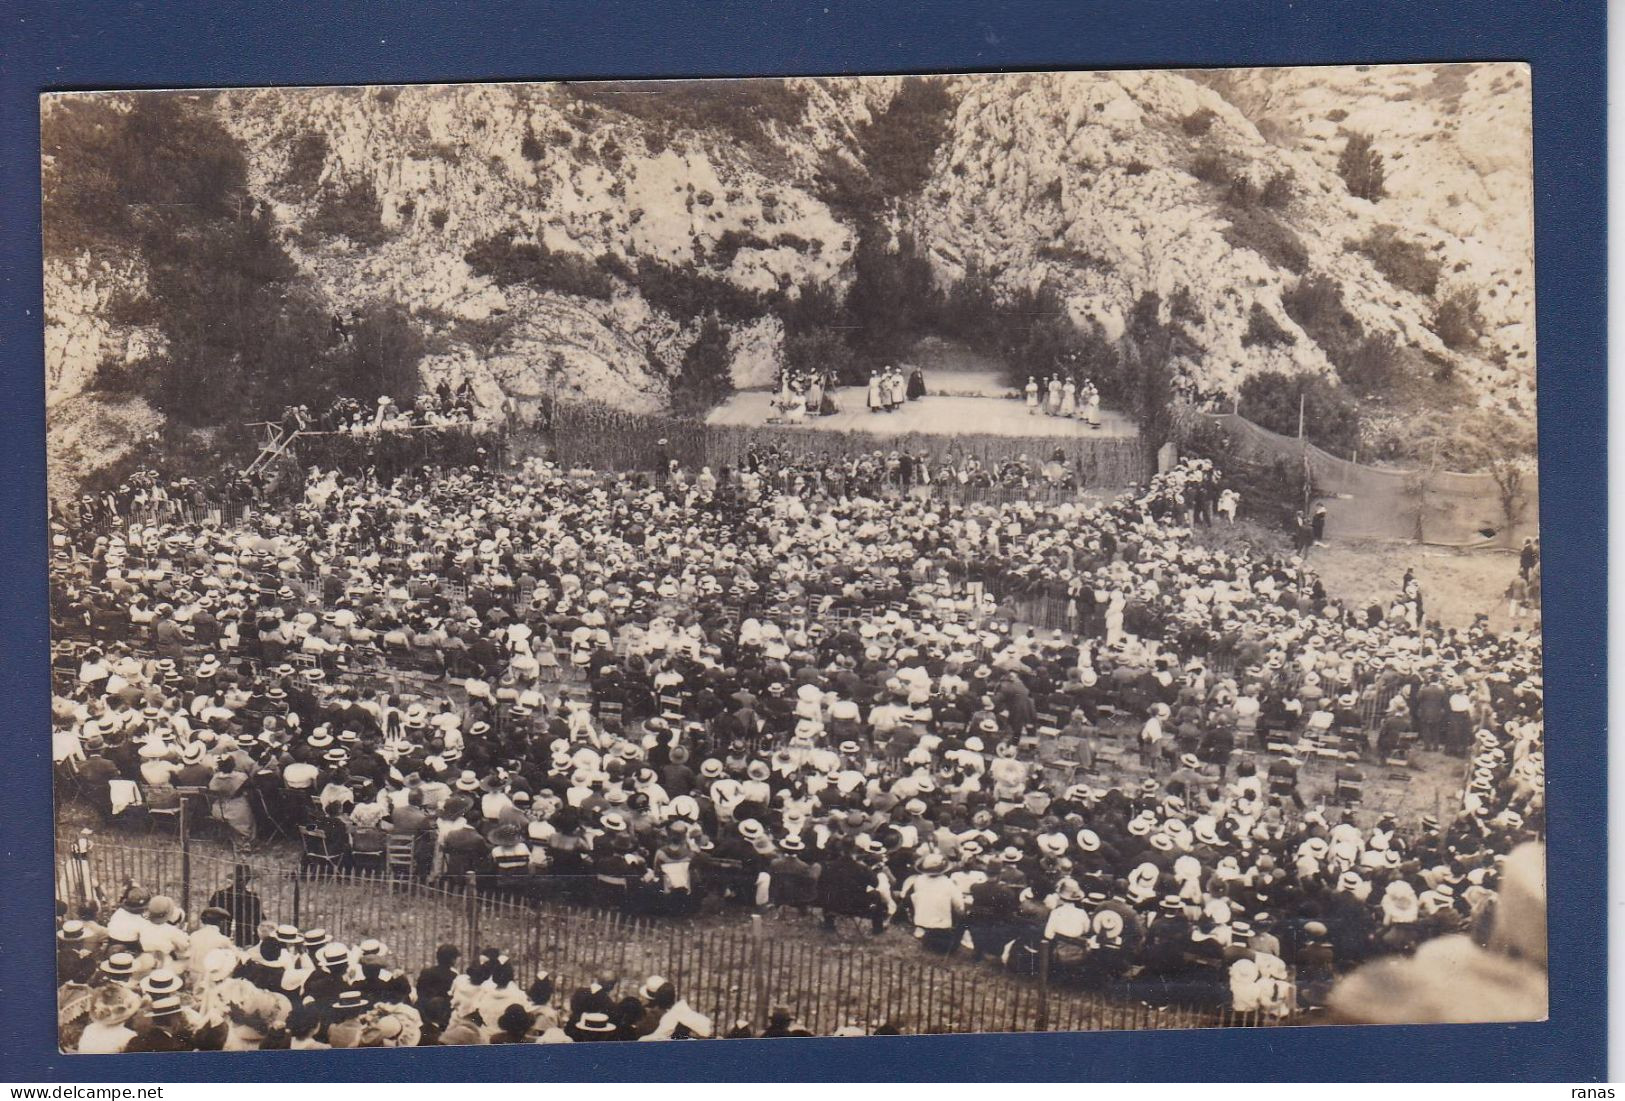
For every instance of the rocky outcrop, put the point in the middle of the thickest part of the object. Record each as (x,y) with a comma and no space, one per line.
(1094,182)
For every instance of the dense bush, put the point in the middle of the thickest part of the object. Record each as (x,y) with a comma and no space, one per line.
(1260,231)
(1408,265)
(1210,167)
(112,377)
(1371,365)
(822,348)
(893,298)
(160,180)
(684,292)
(1361,167)
(1330,417)
(896,148)
(732,241)
(1456,319)
(1263,331)
(307,157)
(351,211)
(1363,362)
(507,261)
(1198,122)
(1277,190)
(705,376)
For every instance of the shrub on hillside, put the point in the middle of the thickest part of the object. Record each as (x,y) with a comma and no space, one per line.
(1371,365)
(1363,362)
(893,298)
(507,261)
(1361,167)
(352,212)
(1182,307)
(1277,190)
(1210,167)
(1331,418)
(822,348)
(1263,331)
(112,377)
(705,376)
(895,151)
(1456,319)
(1260,231)
(307,157)
(1408,265)
(1198,122)
(684,292)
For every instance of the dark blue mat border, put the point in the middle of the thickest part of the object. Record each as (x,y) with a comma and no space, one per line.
(210,43)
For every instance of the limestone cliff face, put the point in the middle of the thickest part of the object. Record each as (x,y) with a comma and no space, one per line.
(1090,181)
(1087,180)
(1458,155)
(454,165)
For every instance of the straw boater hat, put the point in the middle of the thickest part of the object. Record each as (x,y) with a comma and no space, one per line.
(594,1022)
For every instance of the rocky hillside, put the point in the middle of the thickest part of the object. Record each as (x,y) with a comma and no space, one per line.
(603,219)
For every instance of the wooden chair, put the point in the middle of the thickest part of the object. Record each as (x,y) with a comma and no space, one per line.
(610,714)
(367,847)
(162,804)
(317,851)
(401,856)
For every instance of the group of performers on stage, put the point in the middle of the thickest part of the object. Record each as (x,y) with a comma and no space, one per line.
(812,394)
(1063,397)
(888,388)
(805,394)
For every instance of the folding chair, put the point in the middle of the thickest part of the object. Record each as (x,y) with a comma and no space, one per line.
(367,848)
(1349,788)
(162,803)
(317,851)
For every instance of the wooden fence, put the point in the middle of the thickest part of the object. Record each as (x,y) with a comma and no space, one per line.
(587,435)
(729,966)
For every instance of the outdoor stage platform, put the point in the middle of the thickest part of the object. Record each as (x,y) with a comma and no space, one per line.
(932,415)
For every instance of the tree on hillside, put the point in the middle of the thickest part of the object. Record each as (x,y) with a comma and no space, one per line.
(892,300)
(1331,419)
(894,153)
(705,376)
(1150,346)
(160,180)
(820,349)
(1360,165)
(1487,442)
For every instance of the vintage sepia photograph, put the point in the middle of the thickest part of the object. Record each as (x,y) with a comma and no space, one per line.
(831,556)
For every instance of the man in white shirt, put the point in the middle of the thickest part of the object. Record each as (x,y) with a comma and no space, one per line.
(937,903)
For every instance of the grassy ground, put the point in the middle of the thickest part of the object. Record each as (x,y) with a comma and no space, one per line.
(1456,584)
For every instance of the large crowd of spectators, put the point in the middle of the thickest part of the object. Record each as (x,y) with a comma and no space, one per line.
(776,686)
